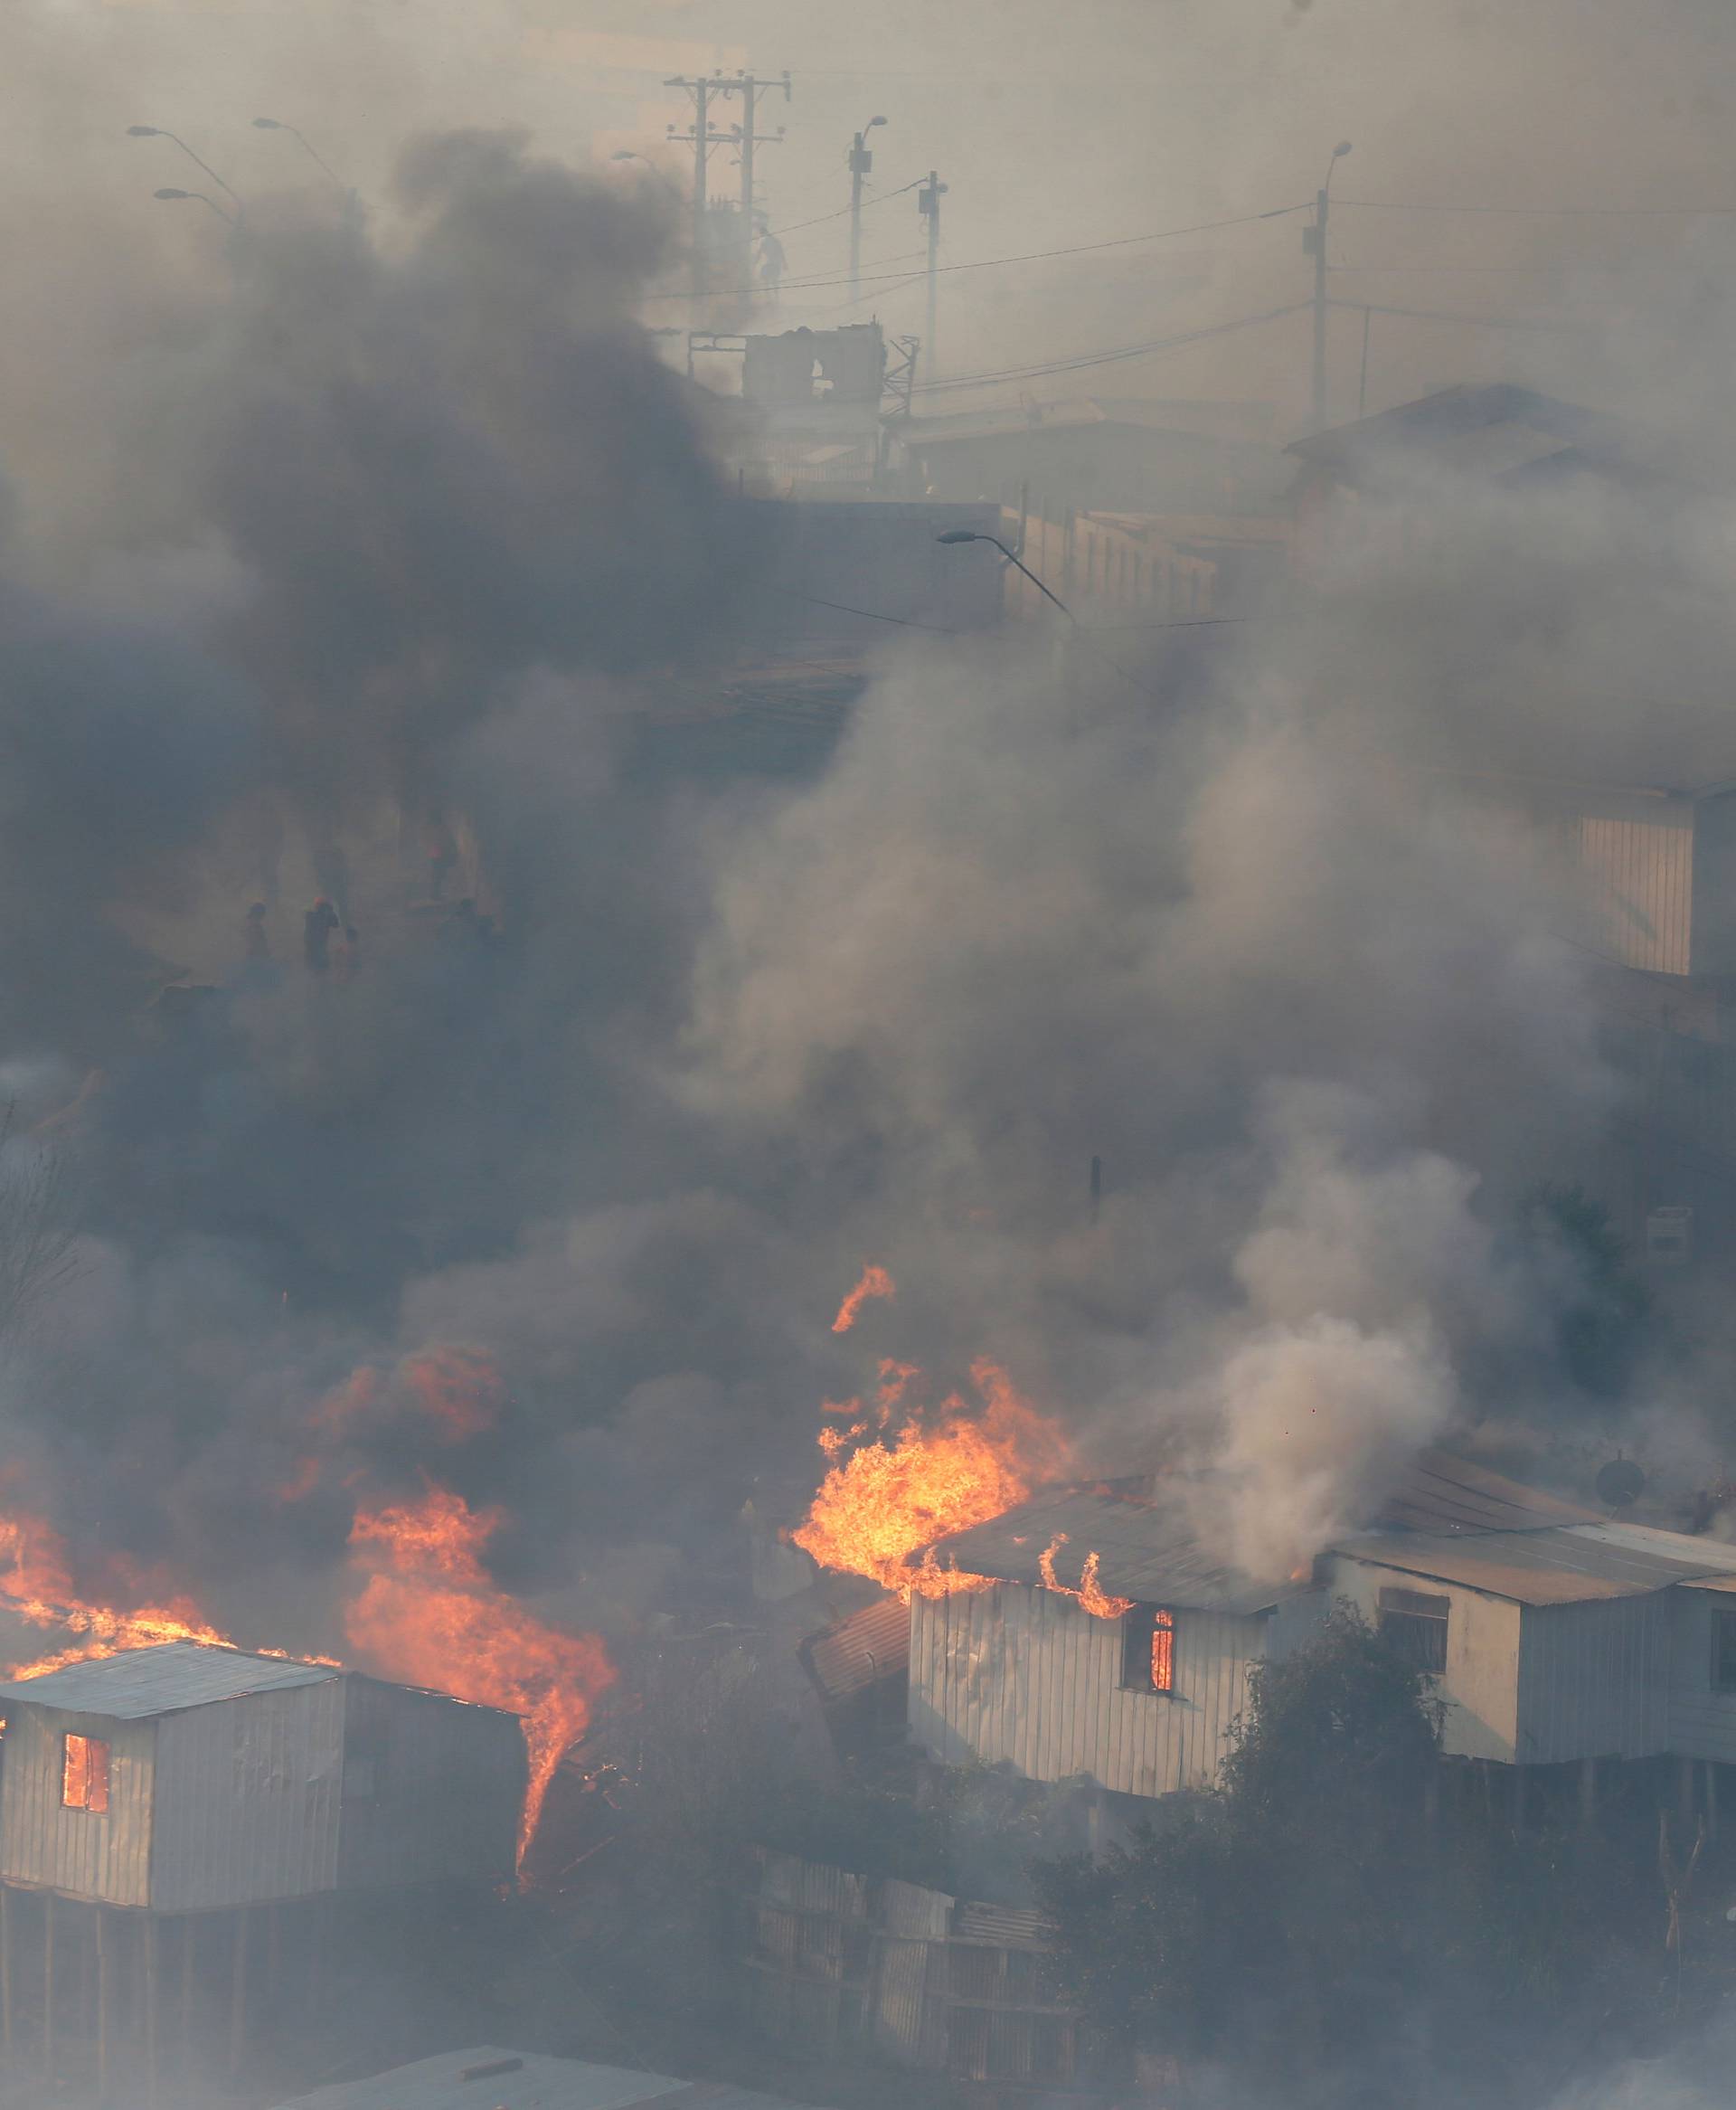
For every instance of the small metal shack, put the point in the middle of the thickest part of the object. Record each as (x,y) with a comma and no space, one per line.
(186,1778)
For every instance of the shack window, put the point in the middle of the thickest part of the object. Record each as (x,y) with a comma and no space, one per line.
(84,1774)
(1148,1650)
(1414,1626)
(1723,1651)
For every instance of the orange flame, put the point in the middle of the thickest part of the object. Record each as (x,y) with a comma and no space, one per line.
(891,1497)
(875,1282)
(1091,1593)
(430,1614)
(36,1587)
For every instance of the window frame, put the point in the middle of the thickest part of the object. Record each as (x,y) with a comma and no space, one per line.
(92,1769)
(1425,1613)
(1142,1624)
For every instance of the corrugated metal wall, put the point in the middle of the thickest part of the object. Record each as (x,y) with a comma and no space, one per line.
(1638,876)
(106,1855)
(433,1788)
(247,1797)
(1702,1722)
(1027,1677)
(1594,1679)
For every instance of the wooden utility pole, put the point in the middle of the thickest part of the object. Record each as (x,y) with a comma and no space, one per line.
(928,204)
(702,138)
(749,87)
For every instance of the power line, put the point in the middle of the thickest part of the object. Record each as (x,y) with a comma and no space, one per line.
(1042,255)
(1546,212)
(904,623)
(820,217)
(1484,322)
(1034,370)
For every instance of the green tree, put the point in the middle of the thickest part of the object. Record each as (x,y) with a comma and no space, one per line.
(1276,1919)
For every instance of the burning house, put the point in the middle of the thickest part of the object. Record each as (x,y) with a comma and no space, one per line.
(202,1787)
(1553,1636)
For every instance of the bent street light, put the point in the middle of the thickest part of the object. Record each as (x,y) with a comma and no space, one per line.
(228,219)
(960,535)
(157,132)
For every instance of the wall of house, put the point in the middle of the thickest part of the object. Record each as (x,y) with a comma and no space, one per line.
(432,1788)
(1027,1677)
(104,1856)
(1594,1679)
(1481,1685)
(1702,1722)
(246,1799)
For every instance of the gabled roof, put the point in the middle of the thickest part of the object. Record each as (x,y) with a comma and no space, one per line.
(485,2078)
(1147,1551)
(136,1683)
(1447,1518)
(1494,429)
(1570,1563)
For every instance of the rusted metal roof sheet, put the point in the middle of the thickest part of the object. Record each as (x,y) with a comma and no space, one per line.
(1712,1583)
(1441,1492)
(1144,1551)
(140,1682)
(858,1651)
(1562,1564)
(1006,1926)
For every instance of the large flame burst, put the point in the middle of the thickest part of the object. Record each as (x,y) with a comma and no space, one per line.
(36,1587)
(893,1494)
(430,1614)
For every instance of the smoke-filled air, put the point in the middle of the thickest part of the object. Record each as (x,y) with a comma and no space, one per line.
(867,926)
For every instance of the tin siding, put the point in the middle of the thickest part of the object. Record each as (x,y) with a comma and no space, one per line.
(1594,1679)
(1027,1678)
(246,1799)
(106,1857)
(432,1788)
(1702,1723)
(1639,887)
(1481,1686)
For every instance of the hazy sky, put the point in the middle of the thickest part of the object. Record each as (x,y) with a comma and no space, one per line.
(1051,126)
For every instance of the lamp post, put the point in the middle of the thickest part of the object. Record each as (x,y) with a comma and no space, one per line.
(307,148)
(1313,240)
(157,132)
(962,534)
(228,219)
(861,161)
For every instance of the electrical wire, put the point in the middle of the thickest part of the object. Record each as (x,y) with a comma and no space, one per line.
(819,220)
(1543,212)
(1036,255)
(1036,370)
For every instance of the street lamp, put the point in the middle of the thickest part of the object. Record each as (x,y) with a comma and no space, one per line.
(156,132)
(1313,244)
(227,218)
(860,161)
(959,535)
(277,124)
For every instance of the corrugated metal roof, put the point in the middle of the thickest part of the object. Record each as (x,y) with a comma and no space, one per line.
(528,2082)
(531,2083)
(1006,1926)
(138,1682)
(1144,1551)
(1563,1565)
(1441,1492)
(858,1651)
